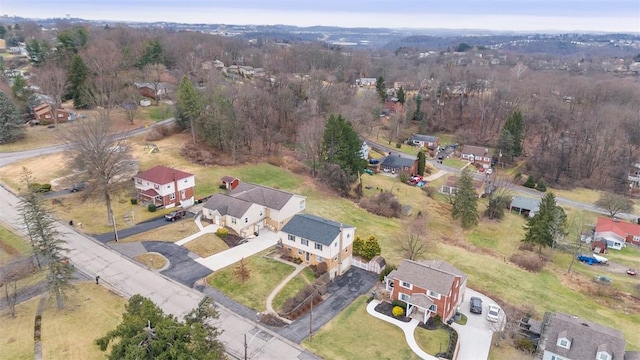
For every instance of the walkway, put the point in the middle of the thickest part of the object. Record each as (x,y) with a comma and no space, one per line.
(265,240)
(209,229)
(407,327)
(436,176)
(284,282)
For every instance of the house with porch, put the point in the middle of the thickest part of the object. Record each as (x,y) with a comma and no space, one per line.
(314,240)
(617,233)
(476,155)
(278,207)
(396,163)
(451,186)
(43,114)
(165,186)
(429,288)
(567,337)
(525,206)
(425,141)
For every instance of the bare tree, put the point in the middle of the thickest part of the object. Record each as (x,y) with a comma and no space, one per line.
(100,157)
(152,73)
(9,276)
(577,226)
(614,203)
(310,134)
(412,243)
(52,79)
(105,61)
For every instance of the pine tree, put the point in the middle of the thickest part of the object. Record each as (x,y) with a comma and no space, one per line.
(370,248)
(341,145)
(401,96)
(190,105)
(505,146)
(10,122)
(422,160)
(153,54)
(465,202)
(77,82)
(381,89)
(547,224)
(515,126)
(530,183)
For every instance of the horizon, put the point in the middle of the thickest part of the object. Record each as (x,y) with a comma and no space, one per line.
(615,16)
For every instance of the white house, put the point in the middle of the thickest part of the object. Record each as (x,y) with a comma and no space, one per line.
(243,217)
(364,150)
(476,154)
(165,186)
(315,240)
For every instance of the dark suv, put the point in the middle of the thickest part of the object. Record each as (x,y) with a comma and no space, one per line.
(175,215)
(476,305)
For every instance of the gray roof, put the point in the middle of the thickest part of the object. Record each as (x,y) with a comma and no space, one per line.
(227,205)
(425,138)
(262,195)
(435,275)
(525,203)
(314,228)
(475,150)
(421,300)
(397,161)
(586,337)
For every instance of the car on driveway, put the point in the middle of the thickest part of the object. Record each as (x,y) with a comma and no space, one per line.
(494,313)
(631,271)
(175,215)
(475,305)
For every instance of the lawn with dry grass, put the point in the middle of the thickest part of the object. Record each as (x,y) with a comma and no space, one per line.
(299,282)
(206,245)
(12,245)
(432,341)
(70,333)
(152,260)
(354,335)
(172,232)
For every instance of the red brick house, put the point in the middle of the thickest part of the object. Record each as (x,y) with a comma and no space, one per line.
(429,288)
(617,232)
(43,114)
(476,155)
(165,186)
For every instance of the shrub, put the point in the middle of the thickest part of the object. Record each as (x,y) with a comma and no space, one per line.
(384,204)
(39,188)
(319,269)
(387,269)
(404,177)
(530,183)
(398,145)
(430,191)
(541,186)
(525,344)
(397,311)
(152,207)
(159,132)
(222,232)
(437,320)
(399,303)
(275,161)
(528,261)
(517,177)
(134,201)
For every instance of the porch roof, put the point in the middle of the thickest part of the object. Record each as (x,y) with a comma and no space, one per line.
(420,300)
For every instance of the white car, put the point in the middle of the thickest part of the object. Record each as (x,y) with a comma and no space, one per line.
(489,171)
(493,314)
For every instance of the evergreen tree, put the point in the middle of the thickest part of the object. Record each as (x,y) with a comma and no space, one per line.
(465,202)
(3,31)
(38,52)
(341,146)
(530,183)
(370,248)
(381,89)
(77,83)
(505,146)
(515,126)
(401,96)
(153,54)
(541,186)
(358,245)
(10,121)
(417,114)
(190,105)
(47,241)
(547,224)
(422,160)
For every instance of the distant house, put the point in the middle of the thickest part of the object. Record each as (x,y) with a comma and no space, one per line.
(395,163)
(451,186)
(634,175)
(524,205)
(165,186)
(430,288)
(394,105)
(476,155)
(155,91)
(315,240)
(617,233)
(366,82)
(43,114)
(279,207)
(566,337)
(425,141)
(364,150)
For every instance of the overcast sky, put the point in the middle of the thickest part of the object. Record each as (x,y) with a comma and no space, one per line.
(518,15)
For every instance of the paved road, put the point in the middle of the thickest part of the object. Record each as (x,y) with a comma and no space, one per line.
(182,266)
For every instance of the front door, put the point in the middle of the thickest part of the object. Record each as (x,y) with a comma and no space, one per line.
(307,256)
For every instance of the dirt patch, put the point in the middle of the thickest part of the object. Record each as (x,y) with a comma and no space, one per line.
(233,240)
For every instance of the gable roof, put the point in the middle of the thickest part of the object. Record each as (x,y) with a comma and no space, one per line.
(227,205)
(621,228)
(161,174)
(525,203)
(425,138)
(587,338)
(397,161)
(262,195)
(475,150)
(436,275)
(314,228)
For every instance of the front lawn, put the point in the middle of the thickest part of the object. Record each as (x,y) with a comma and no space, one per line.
(173,232)
(265,275)
(206,245)
(354,334)
(455,163)
(432,341)
(296,284)
(11,245)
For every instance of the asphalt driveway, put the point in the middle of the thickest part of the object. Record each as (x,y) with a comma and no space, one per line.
(475,336)
(139,228)
(182,267)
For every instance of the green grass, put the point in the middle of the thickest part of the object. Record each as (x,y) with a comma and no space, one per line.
(456,163)
(265,275)
(432,341)
(11,245)
(354,334)
(291,289)
(161,112)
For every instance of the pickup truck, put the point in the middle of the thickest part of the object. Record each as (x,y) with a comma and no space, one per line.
(591,259)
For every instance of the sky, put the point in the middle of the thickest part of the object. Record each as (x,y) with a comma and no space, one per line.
(501,15)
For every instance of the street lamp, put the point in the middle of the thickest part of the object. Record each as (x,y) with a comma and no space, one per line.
(246,344)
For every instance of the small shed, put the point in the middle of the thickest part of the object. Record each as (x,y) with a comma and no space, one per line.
(525,206)
(230,182)
(375,265)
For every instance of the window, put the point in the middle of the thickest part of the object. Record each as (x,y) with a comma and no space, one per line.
(318,246)
(335,244)
(304,242)
(246,220)
(234,220)
(603,355)
(320,258)
(434,294)
(172,196)
(564,342)
(348,236)
(405,284)
(404,297)
(291,237)
(433,308)
(299,252)
(260,212)
(156,186)
(138,181)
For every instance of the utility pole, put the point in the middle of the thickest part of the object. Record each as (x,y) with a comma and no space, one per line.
(245,346)
(115,228)
(311,317)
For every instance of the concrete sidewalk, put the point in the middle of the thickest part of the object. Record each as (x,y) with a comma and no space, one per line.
(284,282)
(407,327)
(209,229)
(265,240)
(436,176)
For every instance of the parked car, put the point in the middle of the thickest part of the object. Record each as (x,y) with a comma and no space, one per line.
(631,271)
(78,187)
(489,171)
(601,279)
(475,305)
(175,215)
(494,313)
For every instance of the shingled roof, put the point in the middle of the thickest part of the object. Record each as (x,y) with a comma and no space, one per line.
(161,174)
(227,205)
(262,195)
(314,228)
(425,138)
(587,338)
(435,275)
